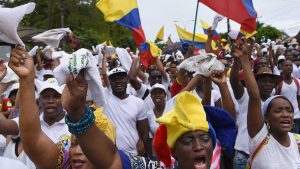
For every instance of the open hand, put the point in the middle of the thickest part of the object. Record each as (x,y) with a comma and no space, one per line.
(21,63)
(241,49)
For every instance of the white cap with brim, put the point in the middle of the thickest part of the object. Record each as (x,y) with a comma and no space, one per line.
(116,71)
(11,88)
(158,86)
(281,57)
(50,83)
(293,42)
(10,75)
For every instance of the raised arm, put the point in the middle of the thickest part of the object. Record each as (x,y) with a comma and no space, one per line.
(98,148)
(207,85)
(133,73)
(160,67)
(104,69)
(254,116)
(237,86)
(220,79)
(210,34)
(35,142)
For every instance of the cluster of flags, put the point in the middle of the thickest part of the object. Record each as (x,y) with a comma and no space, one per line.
(126,13)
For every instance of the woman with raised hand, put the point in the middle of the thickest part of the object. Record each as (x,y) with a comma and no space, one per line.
(40,149)
(271,145)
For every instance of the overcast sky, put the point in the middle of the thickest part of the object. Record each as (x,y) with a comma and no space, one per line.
(283,14)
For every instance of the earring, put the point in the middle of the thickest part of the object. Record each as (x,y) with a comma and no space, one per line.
(294,125)
(268,126)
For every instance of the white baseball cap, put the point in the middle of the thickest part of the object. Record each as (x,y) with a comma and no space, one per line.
(158,86)
(50,83)
(116,71)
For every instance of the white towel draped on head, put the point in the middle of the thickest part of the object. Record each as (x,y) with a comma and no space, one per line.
(9,22)
(82,59)
(201,64)
(52,37)
(124,58)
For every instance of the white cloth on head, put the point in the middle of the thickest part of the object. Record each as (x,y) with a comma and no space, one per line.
(9,22)
(202,64)
(52,37)
(124,58)
(82,59)
(217,19)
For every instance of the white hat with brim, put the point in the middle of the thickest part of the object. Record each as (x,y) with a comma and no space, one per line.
(158,86)
(117,70)
(293,42)
(50,83)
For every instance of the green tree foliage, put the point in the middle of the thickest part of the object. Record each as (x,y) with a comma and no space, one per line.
(81,16)
(267,31)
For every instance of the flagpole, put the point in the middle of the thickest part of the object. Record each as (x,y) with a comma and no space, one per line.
(195,21)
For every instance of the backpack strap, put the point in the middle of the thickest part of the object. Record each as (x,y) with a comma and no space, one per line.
(145,94)
(279,87)
(297,84)
(257,150)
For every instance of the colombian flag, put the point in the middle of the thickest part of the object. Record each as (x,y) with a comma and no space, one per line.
(160,35)
(241,11)
(125,13)
(199,41)
(205,27)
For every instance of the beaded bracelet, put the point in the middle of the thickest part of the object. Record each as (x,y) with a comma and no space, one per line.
(83,124)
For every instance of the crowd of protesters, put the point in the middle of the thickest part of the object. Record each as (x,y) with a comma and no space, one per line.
(103,109)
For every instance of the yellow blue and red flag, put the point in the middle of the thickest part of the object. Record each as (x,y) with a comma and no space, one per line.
(241,11)
(125,13)
(205,27)
(187,38)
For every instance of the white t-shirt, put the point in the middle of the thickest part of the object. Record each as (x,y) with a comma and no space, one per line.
(125,114)
(290,92)
(10,153)
(273,155)
(243,138)
(7,163)
(2,144)
(152,123)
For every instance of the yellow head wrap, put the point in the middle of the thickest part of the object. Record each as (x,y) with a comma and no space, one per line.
(188,115)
